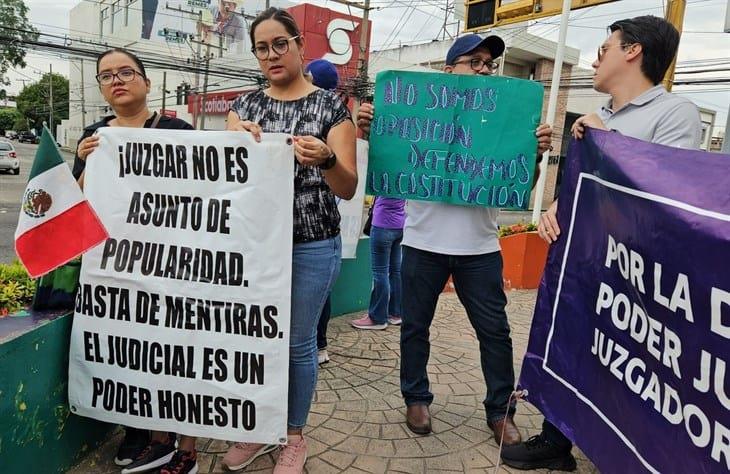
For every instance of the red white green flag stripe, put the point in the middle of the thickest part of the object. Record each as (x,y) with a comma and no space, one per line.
(56,223)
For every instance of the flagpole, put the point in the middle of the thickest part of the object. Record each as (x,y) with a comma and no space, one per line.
(552,108)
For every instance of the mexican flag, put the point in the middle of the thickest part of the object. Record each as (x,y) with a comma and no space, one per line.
(56,223)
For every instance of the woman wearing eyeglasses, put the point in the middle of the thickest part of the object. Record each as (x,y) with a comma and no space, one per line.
(324,161)
(124,84)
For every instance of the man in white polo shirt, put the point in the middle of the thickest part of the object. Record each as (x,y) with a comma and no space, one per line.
(630,66)
(440,240)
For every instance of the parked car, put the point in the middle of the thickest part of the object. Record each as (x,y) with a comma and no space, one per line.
(11,134)
(27,137)
(9,158)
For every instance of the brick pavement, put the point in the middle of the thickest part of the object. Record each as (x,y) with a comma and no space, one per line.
(357,420)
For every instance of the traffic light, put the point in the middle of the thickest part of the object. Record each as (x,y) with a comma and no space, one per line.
(484,14)
(480,14)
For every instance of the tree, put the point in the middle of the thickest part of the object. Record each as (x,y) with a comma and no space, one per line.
(7,119)
(21,124)
(33,100)
(15,29)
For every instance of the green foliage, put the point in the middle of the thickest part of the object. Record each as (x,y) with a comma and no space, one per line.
(8,118)
(20,124)
(14,30)
(16,288)
(504,231)
(33,100)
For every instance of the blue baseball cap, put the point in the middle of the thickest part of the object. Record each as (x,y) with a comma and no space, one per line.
(468,43)
(324,74)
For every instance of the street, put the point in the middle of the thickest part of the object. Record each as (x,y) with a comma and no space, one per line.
(11,193)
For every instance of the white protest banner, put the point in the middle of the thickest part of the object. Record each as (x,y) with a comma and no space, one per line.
(351,211)
(182,316)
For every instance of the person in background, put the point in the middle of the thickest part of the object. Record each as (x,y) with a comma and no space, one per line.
(123,83)
(323,74)
(440,240)
(324,167)
(630,66)
(386,235)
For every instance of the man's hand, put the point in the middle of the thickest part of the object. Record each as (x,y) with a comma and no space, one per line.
(548,228)
(591,120)
(544,134)
(365,116)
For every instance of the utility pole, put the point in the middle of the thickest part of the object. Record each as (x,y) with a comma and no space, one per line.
(205,89)
(675,16)
(362,65)
(50,99)
(83,97)
(361,62)
(164,89)
(198,60)
(552,107)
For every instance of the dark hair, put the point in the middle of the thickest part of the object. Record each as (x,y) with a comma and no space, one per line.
(659,41)
(131,56)
(280,15)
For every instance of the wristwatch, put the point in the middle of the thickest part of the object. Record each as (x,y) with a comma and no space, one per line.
(329,163)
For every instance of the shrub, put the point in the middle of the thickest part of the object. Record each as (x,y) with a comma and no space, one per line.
(516,229)
(16,288)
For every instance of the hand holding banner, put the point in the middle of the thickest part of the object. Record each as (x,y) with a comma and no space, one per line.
(459,139)
(629,343)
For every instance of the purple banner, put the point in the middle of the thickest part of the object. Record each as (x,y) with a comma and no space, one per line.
(630,338)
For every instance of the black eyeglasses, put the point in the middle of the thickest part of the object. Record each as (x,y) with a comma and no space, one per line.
(477,64)
(602,49)
(125,75)
(279,45)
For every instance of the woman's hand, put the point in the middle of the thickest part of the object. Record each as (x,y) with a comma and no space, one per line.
(86,146)
(238,125)
(548,227)
(311,151)
(248,126)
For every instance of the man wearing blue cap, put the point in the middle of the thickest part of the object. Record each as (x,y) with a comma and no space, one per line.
(323,74)
(440,240)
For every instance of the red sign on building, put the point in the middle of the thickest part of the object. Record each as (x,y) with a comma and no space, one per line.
(331,35)
(216,103)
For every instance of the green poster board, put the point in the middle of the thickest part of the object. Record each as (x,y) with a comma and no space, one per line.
(459,139)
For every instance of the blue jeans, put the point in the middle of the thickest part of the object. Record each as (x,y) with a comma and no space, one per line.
(478,284)
(315,266)
(385,260)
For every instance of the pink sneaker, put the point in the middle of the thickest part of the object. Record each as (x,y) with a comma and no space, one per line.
(241,455)
(366,323)
(292,456)
(395,320)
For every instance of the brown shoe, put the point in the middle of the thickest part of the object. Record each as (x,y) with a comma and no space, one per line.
(505,431)
(418,419)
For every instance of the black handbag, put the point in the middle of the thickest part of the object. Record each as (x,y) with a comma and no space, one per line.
(369,221)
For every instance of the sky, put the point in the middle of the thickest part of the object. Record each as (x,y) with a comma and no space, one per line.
(413,21)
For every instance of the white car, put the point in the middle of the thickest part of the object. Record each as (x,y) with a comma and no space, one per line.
(9,158)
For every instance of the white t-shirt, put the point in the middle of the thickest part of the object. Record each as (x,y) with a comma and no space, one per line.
(449,229)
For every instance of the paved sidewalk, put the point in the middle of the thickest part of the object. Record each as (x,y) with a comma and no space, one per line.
(357,422)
